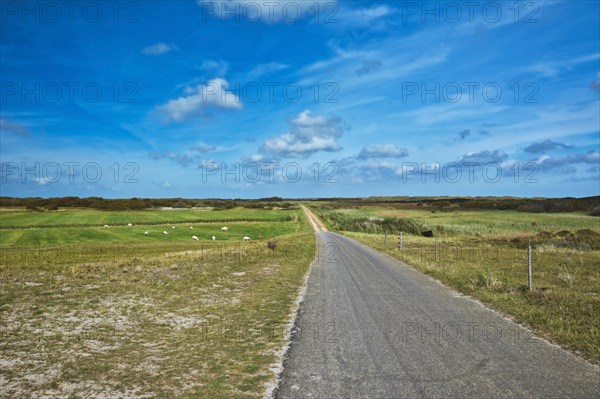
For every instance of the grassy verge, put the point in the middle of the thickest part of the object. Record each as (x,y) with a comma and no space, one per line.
(178,320)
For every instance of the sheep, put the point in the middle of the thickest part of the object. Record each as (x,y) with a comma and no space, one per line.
(173,227)
(191,227)
(106,226)
(165,233)
(129,224)
(225,228)
(214,238)
(194,238)
(146,233)
(246,238)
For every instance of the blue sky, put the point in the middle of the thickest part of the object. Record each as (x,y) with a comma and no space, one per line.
(197,98)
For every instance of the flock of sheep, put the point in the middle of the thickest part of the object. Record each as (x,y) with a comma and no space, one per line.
(194,238)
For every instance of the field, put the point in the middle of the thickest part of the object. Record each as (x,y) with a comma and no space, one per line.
(484,254)
(87,311)
(93,312)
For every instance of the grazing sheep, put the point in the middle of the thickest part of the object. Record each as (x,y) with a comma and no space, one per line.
(173,227)
(146,233)
(246,238)
(129,224)
(194,238)
(225,228)
(106,226)
(214,238)
(191,228)
(165,233)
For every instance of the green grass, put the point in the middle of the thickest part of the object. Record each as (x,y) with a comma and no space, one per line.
(87,217)
(163,317)
(484,223)
(484,254)
(87,235)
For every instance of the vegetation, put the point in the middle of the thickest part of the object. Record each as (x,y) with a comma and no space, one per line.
(535,205)
(41,204)
(120,314)
(457,223)
(17,218)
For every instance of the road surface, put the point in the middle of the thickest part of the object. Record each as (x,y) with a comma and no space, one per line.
(372,327)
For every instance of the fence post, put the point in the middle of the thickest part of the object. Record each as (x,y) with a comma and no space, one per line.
(529,265)
(385,238)
(436,250)
(401,242)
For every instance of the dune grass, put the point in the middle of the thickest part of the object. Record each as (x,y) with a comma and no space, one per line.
(484,223)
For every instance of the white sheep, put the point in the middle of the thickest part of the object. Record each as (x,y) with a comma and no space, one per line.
(194,238)
(165,233)
(129,224)
(106,226)
(173,227)
(214,238)
(146,233)
(191,227)
(225,228)
(246,238)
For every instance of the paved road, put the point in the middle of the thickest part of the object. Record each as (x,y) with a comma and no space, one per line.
(372,327)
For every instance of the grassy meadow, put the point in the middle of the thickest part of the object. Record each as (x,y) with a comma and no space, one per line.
(93,312)
(484,254)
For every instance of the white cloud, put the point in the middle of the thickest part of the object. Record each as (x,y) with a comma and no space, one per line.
(158,49)
(263,69)
(215,67)
(309,134)
(363,17)
(382,151)
(551,69)
(484,157)
(547,162)
(213,93)
(203,148)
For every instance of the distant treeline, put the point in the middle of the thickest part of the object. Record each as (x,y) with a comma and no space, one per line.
(39,204)
(590,205)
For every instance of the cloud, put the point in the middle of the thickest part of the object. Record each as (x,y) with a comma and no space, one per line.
(484,157)
(182,159)
(14,128)
(576,179)
(308,134)
(213,94)
(382,151)
(464,134)
(163,184)
(263,69)
(484,132)
(203,148)
(368,67)
(544,146)
(215,67)
(158,49)
(363,17)
(552,69)
(548,162)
